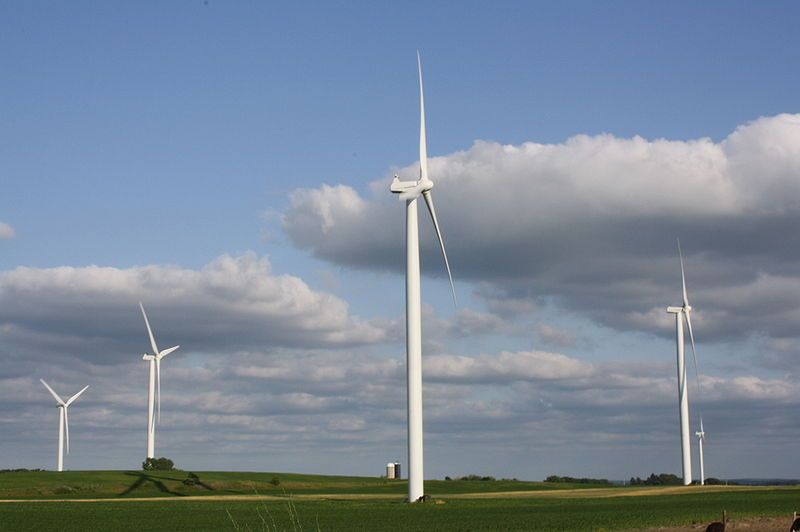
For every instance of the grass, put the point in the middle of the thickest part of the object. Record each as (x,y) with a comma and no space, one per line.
(545,507)
(113,484)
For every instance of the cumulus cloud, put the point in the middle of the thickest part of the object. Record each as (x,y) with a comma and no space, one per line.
(591,224)
(236,302)
(6,231)
(506,367)
(552,335)
(296,408)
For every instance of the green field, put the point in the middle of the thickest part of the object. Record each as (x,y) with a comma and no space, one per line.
(113,484)
(250,501)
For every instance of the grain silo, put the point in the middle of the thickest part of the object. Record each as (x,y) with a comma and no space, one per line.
(397,474)
(390,471)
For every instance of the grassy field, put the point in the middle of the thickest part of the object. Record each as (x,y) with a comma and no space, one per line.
(347,503)
(113,484)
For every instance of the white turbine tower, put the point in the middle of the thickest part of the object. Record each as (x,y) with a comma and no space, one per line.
(63,420)
(681,313)
(410,192)
(701,436)
(154,388)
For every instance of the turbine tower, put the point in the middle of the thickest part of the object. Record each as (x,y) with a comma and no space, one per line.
(410,192)
(63,420)
(701,436)
(154,388)
(684,313)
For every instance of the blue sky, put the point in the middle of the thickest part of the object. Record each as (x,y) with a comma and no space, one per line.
(192,119)
(166,135)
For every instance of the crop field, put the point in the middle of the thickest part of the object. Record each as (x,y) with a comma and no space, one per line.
(135,500)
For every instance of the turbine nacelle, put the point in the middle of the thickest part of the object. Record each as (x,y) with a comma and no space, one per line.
(409,190)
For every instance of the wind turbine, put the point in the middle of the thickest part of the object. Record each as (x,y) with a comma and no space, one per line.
(154,388)
(681,313)
(701,436)
(410,192)
(63,420)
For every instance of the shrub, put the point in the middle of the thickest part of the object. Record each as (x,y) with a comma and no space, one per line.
(275,481)
(158,464)
(575,480)
(663,479)
(477,477)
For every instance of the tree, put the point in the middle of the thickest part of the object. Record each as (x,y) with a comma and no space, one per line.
(158,464)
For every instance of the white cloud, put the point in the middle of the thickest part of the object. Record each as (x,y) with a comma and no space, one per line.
(506,367)
(231,302)
(6,231)
(553,335)
(591,223)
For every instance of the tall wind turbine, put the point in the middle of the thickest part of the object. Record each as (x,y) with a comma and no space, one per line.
(684,313)
(410,192)
(154,388)
(63,420)
(701,436)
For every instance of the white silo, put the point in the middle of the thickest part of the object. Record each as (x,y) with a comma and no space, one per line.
(390,471)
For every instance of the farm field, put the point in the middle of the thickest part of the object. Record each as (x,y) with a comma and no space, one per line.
(249,501)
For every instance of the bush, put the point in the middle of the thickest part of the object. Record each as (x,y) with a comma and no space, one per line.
(191,480)
(275,481)
(663,479)
(477,477)
(158,464)
(574,480)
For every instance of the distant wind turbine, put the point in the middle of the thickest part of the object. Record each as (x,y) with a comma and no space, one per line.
(410,192)
(154,388)
(701,436)
(681,313)
(63,420)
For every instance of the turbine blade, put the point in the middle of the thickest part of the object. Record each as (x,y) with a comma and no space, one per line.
(694,352)
(429,201)
(74,397)
(149,330)
(58,399)
(158,387)
(423,148)
(66,424)
(683,277)
(165,352)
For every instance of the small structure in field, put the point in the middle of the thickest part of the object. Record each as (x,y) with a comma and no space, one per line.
(393,471)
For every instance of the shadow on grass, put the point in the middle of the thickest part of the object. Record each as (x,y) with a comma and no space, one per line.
(194,481)
(142,479)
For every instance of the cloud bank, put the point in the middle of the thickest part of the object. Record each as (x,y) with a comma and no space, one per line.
(591,224)
(235,302)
